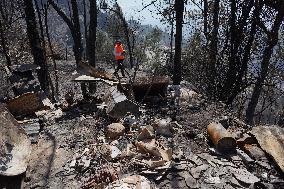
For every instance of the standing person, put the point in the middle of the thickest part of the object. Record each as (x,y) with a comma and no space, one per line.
(119,57)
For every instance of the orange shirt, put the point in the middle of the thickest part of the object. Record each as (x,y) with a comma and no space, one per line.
(118,52)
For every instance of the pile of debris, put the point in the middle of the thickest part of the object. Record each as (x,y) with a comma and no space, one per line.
(145,147)
(144,153)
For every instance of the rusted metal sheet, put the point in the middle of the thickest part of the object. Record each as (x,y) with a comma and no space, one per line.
(149,86)
(23,79)
(221,138)
(15,147)
(271,140)
(26,104)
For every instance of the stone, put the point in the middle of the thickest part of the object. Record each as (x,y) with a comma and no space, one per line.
(177,154)
(191,182)
(244,176)
(195,159)
(195,172)
(254,151)
(213,180)
(150,146)
(247,160)
(86,162)
(271,140)
(163,127)
(146,133)
(115,152)
(246,139)
(134,181)
(115,130)
(73,163)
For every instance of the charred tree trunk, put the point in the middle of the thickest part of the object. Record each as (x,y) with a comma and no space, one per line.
(171,42)
(73,24)
(237,36)
(232,72)
(205,19)
(179,7)
(91,51)
(51,49)
(78,47)
(91,42)
(213,50)
(238,86)
(4,44)
(85,28)
(42,39)
(268,51)
(36,45)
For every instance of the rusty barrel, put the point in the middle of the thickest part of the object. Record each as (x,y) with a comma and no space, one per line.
(220,137)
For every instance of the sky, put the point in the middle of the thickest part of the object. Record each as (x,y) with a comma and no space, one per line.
(132,8)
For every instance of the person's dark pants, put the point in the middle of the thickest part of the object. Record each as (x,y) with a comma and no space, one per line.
(119,67)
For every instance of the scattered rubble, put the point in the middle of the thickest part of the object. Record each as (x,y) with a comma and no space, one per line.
(119,144)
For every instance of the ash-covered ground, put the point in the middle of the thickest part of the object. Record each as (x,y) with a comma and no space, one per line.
(76,150)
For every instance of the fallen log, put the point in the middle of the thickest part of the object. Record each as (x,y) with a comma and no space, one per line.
(90,79)
(221,138)
(118,105)
(94,72)
(15,147)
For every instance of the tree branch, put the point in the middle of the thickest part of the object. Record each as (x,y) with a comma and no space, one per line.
(61,14)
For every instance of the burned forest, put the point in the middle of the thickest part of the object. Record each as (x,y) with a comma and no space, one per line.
(141,94)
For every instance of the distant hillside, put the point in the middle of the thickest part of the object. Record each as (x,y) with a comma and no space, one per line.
(61,34)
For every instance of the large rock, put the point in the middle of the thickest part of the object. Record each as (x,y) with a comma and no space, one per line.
(163,127)
(15,147)
(271,140)
(118,105)
(115,130)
